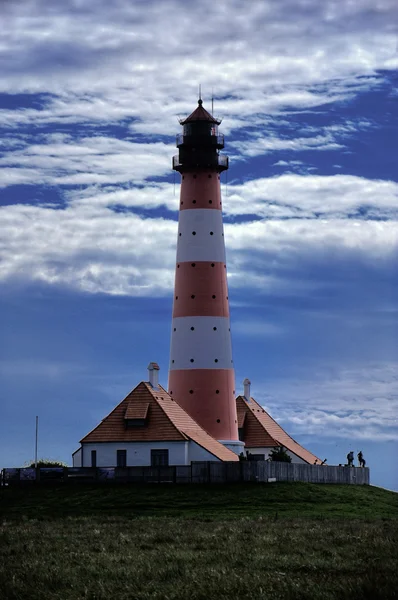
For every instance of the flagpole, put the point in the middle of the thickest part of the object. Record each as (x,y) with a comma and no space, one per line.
(37,432)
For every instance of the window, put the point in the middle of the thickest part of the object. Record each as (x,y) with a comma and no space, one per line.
(135,423)
(256,456)
(121,458)
(93,458)
(159,458)
(241,434)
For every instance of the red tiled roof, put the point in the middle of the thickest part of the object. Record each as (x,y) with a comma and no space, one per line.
(136,410)
(167,421)
(200,114)
(113,429)
(262,431)
(241,417)
(185,423)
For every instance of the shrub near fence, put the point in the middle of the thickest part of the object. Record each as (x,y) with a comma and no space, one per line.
(197,472)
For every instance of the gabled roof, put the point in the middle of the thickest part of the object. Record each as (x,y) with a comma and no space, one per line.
(113,427)
(262,431)
(167,421)
(200,114)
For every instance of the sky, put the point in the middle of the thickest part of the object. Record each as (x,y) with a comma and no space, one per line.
(90,98)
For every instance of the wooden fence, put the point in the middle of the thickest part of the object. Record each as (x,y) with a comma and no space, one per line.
(197,472)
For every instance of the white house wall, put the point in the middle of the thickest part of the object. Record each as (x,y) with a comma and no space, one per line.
(266,451)
(196,452)
(77,458)
(137,453)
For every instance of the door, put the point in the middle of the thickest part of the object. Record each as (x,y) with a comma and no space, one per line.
(121,458)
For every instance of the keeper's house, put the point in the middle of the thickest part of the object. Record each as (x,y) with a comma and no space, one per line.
(148,428)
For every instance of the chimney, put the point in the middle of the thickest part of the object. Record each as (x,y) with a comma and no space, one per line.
(153,373)
(246,389)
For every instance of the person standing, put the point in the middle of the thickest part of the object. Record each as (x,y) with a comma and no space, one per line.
(350,458)
(361,460)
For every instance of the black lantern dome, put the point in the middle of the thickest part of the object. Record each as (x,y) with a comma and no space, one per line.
(200,143)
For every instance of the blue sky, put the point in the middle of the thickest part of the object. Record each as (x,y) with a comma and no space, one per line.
(90,96)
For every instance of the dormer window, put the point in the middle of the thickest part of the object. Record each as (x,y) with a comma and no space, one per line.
(135,423)
(136,415)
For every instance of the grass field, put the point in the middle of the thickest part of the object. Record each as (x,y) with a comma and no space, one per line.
(293,541)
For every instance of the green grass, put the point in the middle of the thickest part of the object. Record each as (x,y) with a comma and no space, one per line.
(165,542)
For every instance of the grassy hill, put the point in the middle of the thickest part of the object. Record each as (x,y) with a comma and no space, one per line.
(276,541)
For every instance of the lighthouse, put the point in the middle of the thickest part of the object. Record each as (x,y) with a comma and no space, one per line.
(197,419)
(201,370)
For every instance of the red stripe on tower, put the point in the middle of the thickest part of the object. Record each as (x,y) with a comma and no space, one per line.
(201,375)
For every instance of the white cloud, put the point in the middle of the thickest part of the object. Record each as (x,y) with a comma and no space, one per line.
(360,403)
(107,62)
(284,163)
(266,145)
(97,159)
(90,247)
(307,196)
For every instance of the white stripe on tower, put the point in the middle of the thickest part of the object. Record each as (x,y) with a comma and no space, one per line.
(200,236)
(190,343)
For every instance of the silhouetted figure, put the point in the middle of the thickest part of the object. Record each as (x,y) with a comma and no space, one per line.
(361,460)
(350,459)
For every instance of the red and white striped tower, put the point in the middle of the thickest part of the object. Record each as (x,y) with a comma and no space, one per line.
(201,375)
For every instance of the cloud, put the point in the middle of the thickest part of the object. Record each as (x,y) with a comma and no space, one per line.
(115,61)
(92,248)
(266,145)
(61,160)
(284,163)
(360,403)
(310,196)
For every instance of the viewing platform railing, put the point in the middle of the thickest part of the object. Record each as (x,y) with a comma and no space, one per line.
(220,161)
(217,139)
